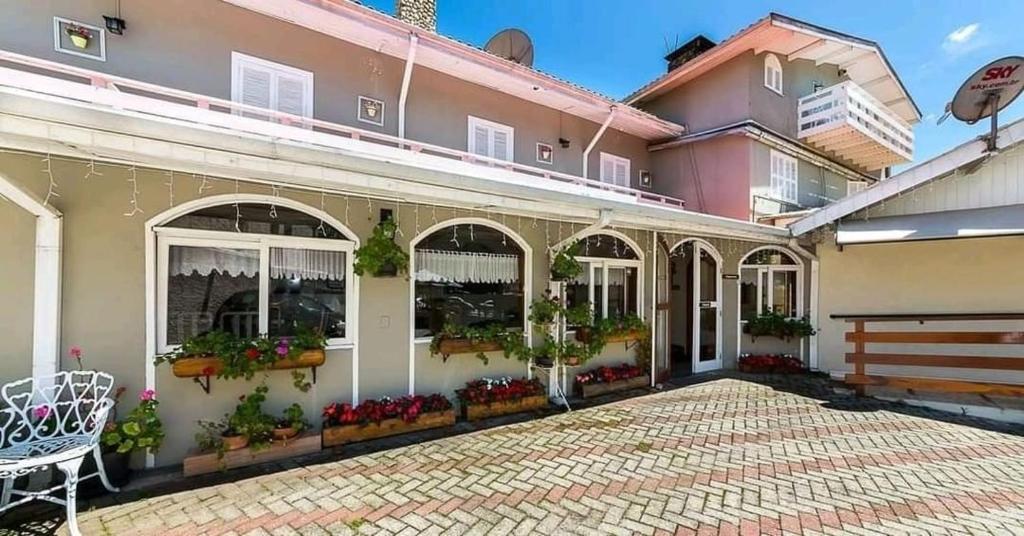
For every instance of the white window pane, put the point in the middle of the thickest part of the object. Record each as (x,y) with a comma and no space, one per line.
(212,288)
(307,291)
(783,292)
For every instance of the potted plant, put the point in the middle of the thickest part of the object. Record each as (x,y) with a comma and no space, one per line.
(380,256)
(604,380)
(564,265)
(457,339)
(488,397)
(291,424)
(773,324)
(372,419)
(79,35)
(248,426)
(139,431)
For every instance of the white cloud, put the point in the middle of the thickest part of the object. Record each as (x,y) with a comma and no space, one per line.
(963,39)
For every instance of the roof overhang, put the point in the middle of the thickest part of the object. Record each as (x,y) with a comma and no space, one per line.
(863,60)
(966,155)
(382,33)
(970,223)
(182,138)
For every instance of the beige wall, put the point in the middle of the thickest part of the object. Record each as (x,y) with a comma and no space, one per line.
(949,276)
(779,112)
(718,98)
(164,39)
(104,304)
(17,265)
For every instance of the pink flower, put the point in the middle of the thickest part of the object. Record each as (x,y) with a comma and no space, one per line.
(282,349)
(75,352)
(147,395)
(41,412)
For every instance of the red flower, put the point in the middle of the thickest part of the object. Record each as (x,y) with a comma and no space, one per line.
(252,354)
(208,371)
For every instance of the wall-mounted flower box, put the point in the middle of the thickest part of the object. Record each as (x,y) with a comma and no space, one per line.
(449,347)
(353,433)
(195,367)
(583,335)
(475,412)
(598,389)
(209,462)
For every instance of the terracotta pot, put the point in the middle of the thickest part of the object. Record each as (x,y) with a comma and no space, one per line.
(572,361)
(235,442)
(280,434)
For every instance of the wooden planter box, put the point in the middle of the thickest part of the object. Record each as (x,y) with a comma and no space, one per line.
(193,367)
(476,412)
(466,346)
(583,335)
(598,389)
(353,433)
(199,463)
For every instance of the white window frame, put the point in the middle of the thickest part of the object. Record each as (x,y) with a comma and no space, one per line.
(765,272)
(239,60)
(594,264)
(779,180)
(853,187)
(773,73)
(173,236)
(473,122)
(615,159)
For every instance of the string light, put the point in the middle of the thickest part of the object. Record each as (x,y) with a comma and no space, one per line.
(204,185)
(322,228)
(170,188)
(91,170)
(134,203)
(369,209)
(455,236)
(416,215)
(275,192)
(51,190)
(346,210)
(398,219)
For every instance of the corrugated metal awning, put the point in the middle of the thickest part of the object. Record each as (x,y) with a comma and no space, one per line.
(970,223)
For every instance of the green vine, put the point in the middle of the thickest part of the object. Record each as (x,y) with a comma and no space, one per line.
(380,253)
(772,324)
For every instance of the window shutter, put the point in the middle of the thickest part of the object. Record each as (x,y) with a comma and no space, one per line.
(291,95)
(255,86)
(501,146)
(481,140)
(607,170)
(621,173)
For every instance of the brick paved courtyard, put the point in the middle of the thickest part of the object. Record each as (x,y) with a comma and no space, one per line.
(723,457)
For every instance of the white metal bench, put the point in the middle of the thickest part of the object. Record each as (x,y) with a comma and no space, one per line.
(53,420)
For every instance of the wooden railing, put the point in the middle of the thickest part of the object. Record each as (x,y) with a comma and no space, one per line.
(861,357)
(39,76)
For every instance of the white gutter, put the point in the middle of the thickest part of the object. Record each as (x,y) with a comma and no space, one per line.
(47,283)
(597,137)
(410,61)
(812,312)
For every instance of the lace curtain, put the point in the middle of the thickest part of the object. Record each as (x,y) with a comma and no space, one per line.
(307,264)
(466,267)
(186,260)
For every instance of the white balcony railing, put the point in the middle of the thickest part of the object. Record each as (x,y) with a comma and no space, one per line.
(24,73)
(848,122)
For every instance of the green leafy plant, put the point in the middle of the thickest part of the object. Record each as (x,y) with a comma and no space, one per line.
(564,265)
(248,420)
(293,417)
(778,325)
(544,310)
(512,343)
(380,253)
(243,357)
(140,430)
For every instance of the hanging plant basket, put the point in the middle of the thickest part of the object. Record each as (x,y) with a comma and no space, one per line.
(380,256)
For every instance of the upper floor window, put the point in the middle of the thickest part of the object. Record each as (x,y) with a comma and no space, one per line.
(773,73)
(251,269)
(265,84)
(614,169)
(784,177)
(487,138)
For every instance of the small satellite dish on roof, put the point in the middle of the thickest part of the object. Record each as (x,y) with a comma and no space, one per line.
(512,44)
(988,90)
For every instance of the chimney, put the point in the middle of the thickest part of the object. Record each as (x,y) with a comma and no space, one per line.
(693,48)
(422,13)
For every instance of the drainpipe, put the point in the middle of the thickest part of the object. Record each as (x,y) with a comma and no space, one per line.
(813,306)
(597,137)
(410,60)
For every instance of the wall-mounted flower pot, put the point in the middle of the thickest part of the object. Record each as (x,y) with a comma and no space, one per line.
(583,335)
(465,346)
(195,367)
(235,442)
(352,433)
(80,41)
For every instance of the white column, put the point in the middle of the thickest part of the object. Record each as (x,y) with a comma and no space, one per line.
(46,309)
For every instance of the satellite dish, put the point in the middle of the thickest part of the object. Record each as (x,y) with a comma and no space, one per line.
(512,44)
(988,90)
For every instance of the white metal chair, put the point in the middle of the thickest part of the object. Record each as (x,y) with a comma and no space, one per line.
(53,420)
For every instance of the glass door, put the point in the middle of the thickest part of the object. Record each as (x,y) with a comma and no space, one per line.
(707,310)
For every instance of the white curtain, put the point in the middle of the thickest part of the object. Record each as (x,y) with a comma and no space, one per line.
(307,264)
(186,260)
(466,267)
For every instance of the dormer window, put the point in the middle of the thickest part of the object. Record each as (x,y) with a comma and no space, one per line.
(773,73)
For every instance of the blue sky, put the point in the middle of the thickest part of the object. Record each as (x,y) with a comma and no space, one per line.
(615,46)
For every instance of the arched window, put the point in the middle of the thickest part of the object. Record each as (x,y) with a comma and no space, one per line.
(773,73)
(468,274)
(610,279)
(250,269)
(770,280)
